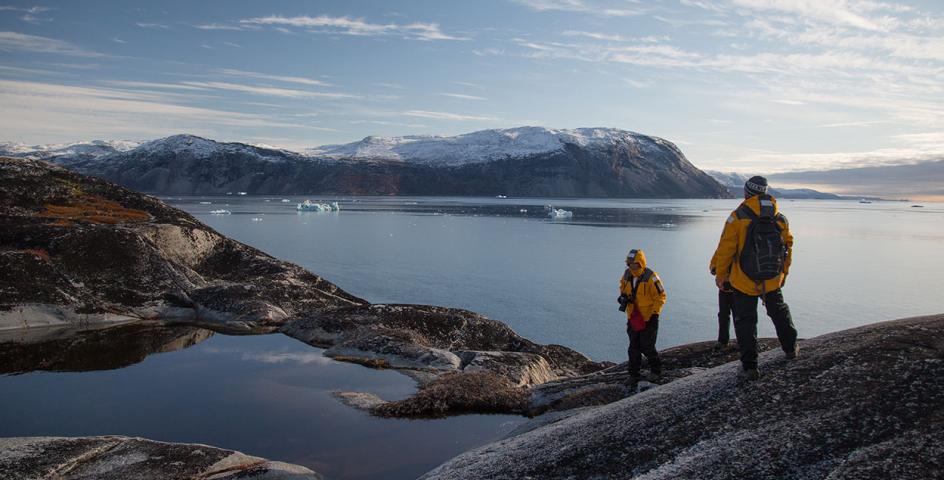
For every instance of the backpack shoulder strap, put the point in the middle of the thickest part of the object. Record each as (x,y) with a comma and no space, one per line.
(646,275)
(745,213)
(766,206)
(782,218)
(627,276)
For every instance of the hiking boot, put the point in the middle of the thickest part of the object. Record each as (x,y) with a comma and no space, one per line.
(721,345)
(654,377)
(632,380)
(791,354)
(751,374)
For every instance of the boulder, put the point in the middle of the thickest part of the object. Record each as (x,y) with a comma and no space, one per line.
(126,458)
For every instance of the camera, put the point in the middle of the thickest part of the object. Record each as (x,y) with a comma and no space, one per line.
(623,302)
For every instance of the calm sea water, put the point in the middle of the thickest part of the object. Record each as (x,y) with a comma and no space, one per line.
(555,281)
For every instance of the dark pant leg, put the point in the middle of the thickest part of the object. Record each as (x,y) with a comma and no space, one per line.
(635,352)
(647,340)
(725,306)
(745,327)
(779,312)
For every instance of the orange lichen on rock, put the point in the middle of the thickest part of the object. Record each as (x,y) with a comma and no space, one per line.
(40,253)
(94,210)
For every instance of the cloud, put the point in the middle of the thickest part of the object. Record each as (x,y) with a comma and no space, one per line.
(269,91)
(118,40)
(13,41)
(582,6)
(153,26)
(461,96)
(837,12)
(447,116)
(278,78)
(353,26)
(64,113)
(302,358)
(218,26)
(231,44)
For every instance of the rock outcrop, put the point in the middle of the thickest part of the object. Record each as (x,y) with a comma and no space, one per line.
(125,458)
(861,403)
(77,251)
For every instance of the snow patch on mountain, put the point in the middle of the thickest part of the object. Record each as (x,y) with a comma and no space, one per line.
(483,146)
(199,147)
(94,148)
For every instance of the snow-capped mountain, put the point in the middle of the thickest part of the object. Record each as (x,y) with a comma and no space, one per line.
(85,150)
(483,146)
(525,161)
(734,182)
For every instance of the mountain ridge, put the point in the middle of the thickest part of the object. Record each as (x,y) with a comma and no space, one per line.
(523,161)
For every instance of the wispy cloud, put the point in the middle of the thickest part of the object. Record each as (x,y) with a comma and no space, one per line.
(118,40)
(218,26)
(70,112)
(461,96)
(153,26)
(13,41)
(278,78)
(606,9)
(447,116)
(269,91)
(231,44)
(354,26)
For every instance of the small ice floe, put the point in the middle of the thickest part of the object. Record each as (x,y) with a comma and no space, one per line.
(206,203)
(285,200)
(220,212)
(523,210)
(500,196)
(242,193)
(558,212)
(256,219)
(309,206)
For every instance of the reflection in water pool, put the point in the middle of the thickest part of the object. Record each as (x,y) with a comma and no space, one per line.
(265,395)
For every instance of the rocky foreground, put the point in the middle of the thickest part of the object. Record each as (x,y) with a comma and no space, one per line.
(865,403)
(126,458)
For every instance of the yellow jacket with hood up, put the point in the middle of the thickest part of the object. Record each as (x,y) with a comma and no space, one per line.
(650,294)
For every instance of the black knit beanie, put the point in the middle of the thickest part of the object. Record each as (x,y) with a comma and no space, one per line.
(756,185)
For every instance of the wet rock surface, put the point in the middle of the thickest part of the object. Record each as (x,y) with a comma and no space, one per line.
(861,403)
(125,458)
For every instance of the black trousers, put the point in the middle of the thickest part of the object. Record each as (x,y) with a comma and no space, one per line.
(745,324)
(725,307)
(644,342)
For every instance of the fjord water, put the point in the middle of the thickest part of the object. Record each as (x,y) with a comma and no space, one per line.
(555,281)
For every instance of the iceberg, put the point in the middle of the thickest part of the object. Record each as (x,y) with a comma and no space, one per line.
(285,200)
(309,206)
(558,212)
(220,212)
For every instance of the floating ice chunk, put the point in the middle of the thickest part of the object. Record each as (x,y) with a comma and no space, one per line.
(523,210)
(220,212)
(500,196)
(285,200)
(206,203)
(558,212)
(309,206)
(242,193)
(256,219)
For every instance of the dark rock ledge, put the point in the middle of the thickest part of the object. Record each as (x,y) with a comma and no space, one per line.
(127,458)
(865,403)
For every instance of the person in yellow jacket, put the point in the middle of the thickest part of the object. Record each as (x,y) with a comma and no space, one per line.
(754,256)
(641,297)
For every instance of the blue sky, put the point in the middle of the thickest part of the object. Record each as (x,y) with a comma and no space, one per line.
(743,85)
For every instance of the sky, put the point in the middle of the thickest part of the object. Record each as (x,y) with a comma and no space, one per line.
(739,85)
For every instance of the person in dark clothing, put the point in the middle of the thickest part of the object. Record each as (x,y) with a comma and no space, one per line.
(762,208)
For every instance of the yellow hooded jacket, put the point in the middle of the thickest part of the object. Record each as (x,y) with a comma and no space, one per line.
(728,253)
(650,294)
